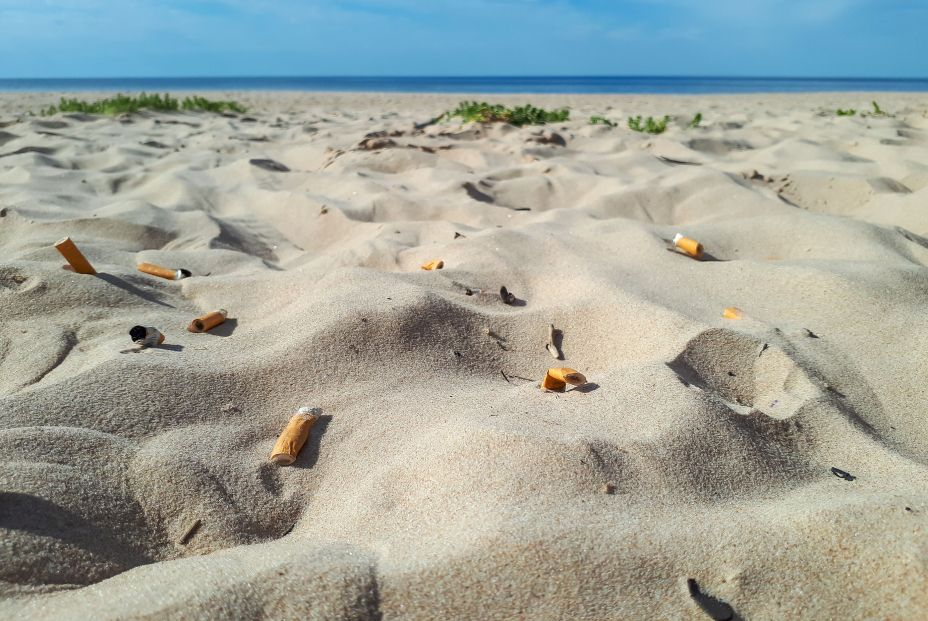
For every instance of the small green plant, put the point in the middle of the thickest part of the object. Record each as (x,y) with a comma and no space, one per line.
(202,103)
(472,111)
(650,125)
(121,104)
(696,120)
(601,120)
(877,111)
(848,112)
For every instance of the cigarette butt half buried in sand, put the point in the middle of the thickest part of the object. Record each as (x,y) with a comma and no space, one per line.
(293,437)
(73,256)
(557,379)
(437,264)
(732,312)
(163,272)
(687,245)
(146,337)
(208,321)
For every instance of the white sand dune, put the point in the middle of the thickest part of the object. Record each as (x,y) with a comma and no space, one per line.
(441,481)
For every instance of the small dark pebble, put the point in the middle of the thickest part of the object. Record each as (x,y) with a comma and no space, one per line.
(908,508)
(841,474)
(506,296)
(716,609)
(456,235)
(731,374)
(811,334)
(3,212)
(458,354)
(270,165)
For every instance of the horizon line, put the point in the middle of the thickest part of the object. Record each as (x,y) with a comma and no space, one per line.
(477,77)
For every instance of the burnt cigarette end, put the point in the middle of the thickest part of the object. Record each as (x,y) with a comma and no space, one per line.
(137,333)
(185,273)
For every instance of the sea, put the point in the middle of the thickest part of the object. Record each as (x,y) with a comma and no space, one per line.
(513,84)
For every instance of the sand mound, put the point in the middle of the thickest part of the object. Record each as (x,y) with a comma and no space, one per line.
(766,467)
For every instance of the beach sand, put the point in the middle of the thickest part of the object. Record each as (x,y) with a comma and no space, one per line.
(772,467)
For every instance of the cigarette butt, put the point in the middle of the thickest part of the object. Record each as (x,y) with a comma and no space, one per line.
(291,440)
(732,312)
(73,256)
(437,264)
(208,321)
(556,379)
(146,337)
(687,245)
(570,376)
(552,383)
(163,272)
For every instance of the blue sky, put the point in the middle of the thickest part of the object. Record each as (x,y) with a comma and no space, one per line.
(116,38)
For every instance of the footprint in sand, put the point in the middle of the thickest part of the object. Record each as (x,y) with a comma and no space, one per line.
(746,373)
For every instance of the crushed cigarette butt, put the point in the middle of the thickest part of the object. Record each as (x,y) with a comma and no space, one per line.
(732,312)
(556,379)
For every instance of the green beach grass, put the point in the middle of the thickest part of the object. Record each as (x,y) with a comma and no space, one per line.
(649,125)
(123,104)
(601,120)
(482,112)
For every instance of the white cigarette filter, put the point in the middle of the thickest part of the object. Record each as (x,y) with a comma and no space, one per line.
(146,337)
(294,436)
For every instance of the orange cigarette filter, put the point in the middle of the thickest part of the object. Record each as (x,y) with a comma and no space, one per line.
(437,264)
(73,256)
(208,321)
(294,436)
(557,379)
(687,245)
(732,312)
(163,272)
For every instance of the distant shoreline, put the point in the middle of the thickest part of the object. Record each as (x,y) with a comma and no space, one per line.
(575,85)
